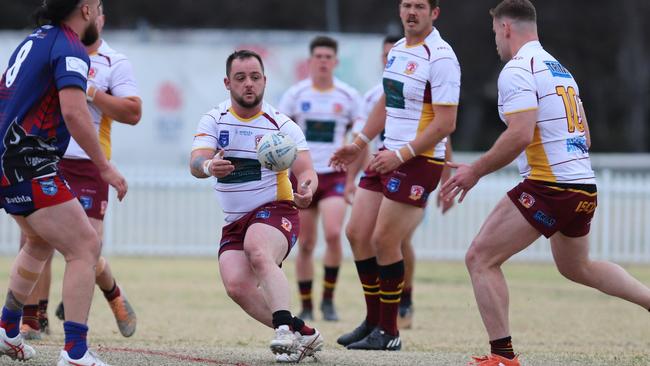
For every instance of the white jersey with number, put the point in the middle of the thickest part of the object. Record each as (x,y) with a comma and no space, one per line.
(535,80)
(112,73)
(370,99)
(250,185)
(324,115)
(417,77)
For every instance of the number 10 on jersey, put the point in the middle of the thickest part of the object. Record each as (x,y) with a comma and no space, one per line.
(570,100)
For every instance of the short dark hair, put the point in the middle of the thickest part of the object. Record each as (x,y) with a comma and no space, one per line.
(515,9)
(392,39)
(433,3)
(242,55)
(53,12)
(323,41)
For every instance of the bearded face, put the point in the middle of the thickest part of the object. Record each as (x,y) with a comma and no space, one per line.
(91,34)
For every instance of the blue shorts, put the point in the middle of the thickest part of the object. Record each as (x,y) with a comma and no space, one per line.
(25,198)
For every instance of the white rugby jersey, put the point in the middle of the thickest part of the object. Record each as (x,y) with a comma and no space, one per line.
(250,185)
(370,99)
(535,80)
(110,72)
(415,78)
(324,115)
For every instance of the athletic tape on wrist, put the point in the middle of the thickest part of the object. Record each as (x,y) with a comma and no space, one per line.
(399,156)
(411,149)
(206,167)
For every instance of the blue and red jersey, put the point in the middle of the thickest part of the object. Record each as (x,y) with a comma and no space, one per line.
(32,131)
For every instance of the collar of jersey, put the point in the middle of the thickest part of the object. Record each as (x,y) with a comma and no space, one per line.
(531,44)
(232,111)
(433,32)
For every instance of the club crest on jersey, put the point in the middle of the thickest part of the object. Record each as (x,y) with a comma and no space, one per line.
(92,73)
(286,224)
(526,200)
(258,138)
(411,66)
(390,62)
(416,192)
(48,187)
(305,106)
(224,138)
(338,108)
(393,185)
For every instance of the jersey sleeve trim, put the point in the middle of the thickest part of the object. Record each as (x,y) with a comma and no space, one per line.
(521,111)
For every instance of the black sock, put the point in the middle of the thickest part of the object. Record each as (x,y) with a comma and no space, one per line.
(298,325)
(282,317)
(503,347)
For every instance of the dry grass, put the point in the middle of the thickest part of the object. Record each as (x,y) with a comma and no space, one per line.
(185,318)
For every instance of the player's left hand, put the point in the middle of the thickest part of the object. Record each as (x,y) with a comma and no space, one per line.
(464,179)
(303,197)
(442,204)
(384,162)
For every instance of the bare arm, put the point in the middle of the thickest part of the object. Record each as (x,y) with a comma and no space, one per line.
(79,123)
(518,135)
(126,110)
(208,160)
(443,124)
(583,116)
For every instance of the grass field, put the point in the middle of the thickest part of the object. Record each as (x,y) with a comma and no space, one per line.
(185,318)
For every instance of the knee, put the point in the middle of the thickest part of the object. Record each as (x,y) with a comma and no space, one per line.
(306,249)
(333,237)
(477,259)
(87,247)
(257,257)
(574,272)
(354,235)
(237,290)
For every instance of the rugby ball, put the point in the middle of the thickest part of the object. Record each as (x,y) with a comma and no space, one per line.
(276,151)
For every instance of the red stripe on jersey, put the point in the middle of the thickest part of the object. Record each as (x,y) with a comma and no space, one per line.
(271,120)
(426,48)
(427,93)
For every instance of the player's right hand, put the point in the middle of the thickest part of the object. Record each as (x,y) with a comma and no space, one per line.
(220,167)
(115,179)
(344,156)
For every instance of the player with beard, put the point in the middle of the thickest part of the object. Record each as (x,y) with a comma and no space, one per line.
(43,103)
(112,94)
(261,210)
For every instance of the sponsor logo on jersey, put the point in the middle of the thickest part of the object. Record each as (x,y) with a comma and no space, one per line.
(411,67)
(544,218)
(75,64)
(557,69)
(416,192)
(245,132)
(576,144)
(286,224)
(48,187)
(86,202)
(18,199)
(393,185)
(305,106)
(264,214)
(390,62)
(224,138)
(526,200)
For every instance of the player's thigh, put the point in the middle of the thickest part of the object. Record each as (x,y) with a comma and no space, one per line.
(31,242)
(569,253)
(235,270)
(267,241)
(395,221)
(364,215)
(65,227)
(504,233)
(308,226)
(332,210)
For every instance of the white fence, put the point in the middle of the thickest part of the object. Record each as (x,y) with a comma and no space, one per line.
(171,213)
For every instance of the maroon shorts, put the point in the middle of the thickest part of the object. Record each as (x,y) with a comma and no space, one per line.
(552,207)
(329,185)
(87,184)
(282,215)
(411,183)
